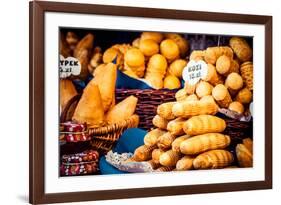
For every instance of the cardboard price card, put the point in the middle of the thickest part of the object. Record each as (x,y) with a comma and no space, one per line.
(69,66)
(194,71)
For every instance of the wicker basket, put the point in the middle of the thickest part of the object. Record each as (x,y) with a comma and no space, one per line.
(103,138)
(148,100)
(69,109)
(238,130)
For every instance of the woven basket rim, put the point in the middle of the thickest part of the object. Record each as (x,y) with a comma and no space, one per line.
(130,122)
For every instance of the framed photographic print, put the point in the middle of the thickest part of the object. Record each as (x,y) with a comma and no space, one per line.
(137,102)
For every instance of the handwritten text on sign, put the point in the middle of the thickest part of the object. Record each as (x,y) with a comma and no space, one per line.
(69,66)
(194,71)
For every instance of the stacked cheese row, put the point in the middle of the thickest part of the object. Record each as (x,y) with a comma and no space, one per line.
(229,76)
(187,136)
(154,57)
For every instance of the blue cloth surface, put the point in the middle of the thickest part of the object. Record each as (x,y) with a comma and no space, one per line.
(125,81)
(128,142)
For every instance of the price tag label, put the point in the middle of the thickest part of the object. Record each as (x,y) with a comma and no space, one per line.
(251,107)
(194,71)
(69,66)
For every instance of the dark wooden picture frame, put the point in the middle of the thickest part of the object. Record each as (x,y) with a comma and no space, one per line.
(36,151)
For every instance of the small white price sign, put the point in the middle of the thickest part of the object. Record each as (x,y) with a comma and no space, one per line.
(69,66)
(194,71)
(251,107)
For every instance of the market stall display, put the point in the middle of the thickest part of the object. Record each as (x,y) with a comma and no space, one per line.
(140,82)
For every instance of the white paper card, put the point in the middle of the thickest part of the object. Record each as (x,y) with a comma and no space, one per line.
(194,71)
(69,66)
